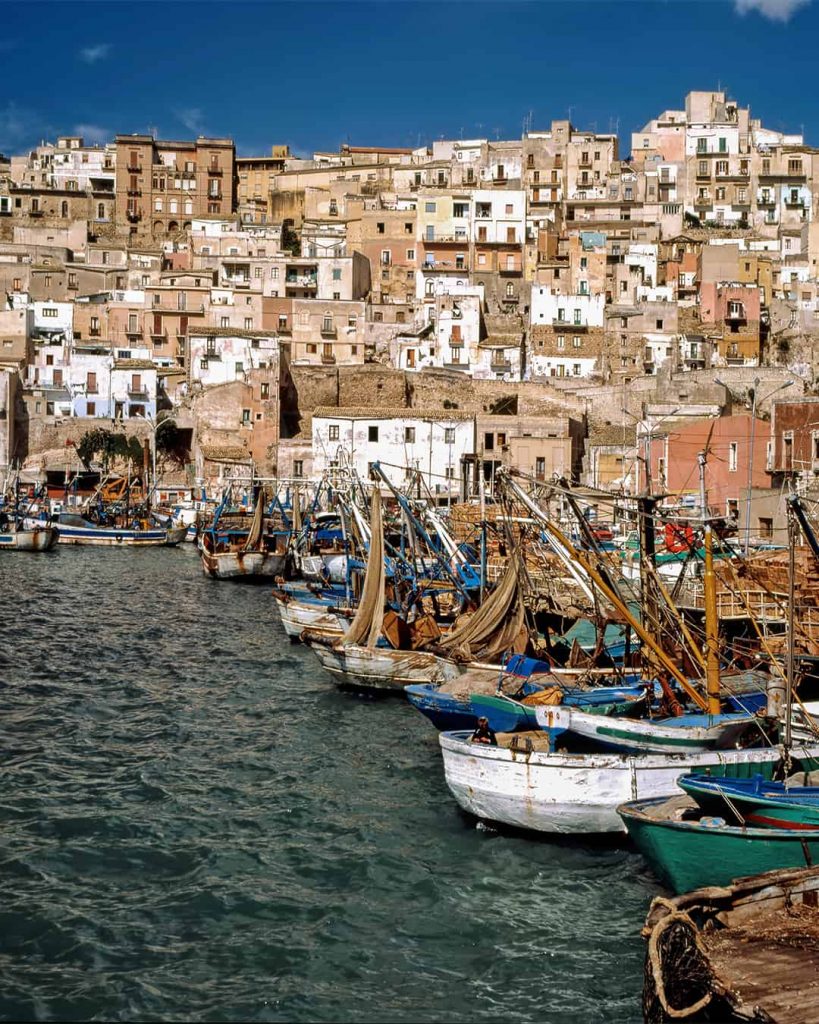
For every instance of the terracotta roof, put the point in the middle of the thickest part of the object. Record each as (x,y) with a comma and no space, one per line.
(230,332)
(373,413)
(225,453)
(134,364)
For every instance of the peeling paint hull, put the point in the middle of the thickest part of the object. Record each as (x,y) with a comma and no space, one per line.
(40,539)
(382,668)
(573,793)
(243,564)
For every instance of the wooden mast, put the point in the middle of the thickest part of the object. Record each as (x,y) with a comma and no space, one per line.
(710,583)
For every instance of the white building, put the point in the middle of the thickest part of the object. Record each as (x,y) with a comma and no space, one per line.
(402,441)
(223,355)
(548,307)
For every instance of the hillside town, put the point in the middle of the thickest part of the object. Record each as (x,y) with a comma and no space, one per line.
(548,303)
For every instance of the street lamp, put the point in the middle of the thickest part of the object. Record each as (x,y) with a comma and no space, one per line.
(754,400)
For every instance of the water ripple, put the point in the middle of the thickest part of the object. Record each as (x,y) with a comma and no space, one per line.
(195,824)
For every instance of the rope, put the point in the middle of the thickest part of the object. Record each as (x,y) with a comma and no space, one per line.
(655,959)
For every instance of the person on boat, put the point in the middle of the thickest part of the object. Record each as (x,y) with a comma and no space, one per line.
(483,734)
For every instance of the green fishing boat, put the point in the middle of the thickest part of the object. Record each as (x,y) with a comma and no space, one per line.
(687,850)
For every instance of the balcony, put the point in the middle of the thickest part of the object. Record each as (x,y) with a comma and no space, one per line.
(134,216)
(134,168)
(134,191)
(736,315)
(459,239)
(505,270)
(504,366)
(135,333)
(766,201)
(703,175)
(215,169)
(445,267)
(328,331)
(511,299)
(138,391)
(95,332)
(794,203)
(160,335)
(327,360)
(499,179)
(584,161)
(301,280)
(214,196)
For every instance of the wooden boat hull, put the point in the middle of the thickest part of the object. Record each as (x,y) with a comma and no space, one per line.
(329,566)
(689,854)
(573,793)
(296,616)
(243,565)
(644,736)
(42,538)
(175,535)
(382,668)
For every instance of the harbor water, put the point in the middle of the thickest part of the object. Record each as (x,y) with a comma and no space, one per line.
(196,824)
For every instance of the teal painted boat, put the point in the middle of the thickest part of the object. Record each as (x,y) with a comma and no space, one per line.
(687,850)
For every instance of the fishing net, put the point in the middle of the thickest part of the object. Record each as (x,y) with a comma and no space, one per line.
(366,625)
(495,627)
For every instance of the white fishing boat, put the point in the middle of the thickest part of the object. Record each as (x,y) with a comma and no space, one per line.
(329,566)
(40,538)
(522,783)
(377,668)
(298,615)
(75,529)
(688,732)
(257,552)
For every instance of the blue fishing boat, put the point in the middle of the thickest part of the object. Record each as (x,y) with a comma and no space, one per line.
(756,801)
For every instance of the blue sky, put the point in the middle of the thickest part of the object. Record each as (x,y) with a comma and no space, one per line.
(393,72)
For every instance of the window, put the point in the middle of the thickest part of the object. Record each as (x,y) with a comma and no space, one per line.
(298,468)
(576,369)
(540,467)
(245,415)
(449,435)
(732,457)
(91,383)
(337,273)
(50,311)
(576,342)
(332,432)
(429,207)
(409,435)
(372,433)
(561,315)
(312,349)
(488,442)
(765,527)
(722,167)
(90,408)
(410,254)
(577,316)
(561,341)
(224,321)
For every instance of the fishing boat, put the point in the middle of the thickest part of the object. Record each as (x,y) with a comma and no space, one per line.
(687,849)
(690,731)
(308,610)
(524,783)
(748,951)
(249,552)
(19,538)
(761,802)
(508,715)
(74,528)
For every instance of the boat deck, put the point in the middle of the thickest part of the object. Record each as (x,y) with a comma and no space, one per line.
(774,964)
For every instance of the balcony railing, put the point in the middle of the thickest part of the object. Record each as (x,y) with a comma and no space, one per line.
(501,367)
(794,204)
(215,169)
(134,215)
(766,201)
(329,331)
(327,359)
(134,191)
(134,168)
(302,280)
(161,333)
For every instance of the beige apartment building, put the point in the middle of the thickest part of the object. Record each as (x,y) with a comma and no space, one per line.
(162,185)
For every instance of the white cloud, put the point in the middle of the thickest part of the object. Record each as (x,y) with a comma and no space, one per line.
(776,10)
(192,118)
(91,54)
(93,133)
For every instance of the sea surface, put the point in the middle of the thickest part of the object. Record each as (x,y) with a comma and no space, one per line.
(196,824)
